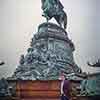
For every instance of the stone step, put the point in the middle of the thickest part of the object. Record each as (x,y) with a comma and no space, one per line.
(39,99)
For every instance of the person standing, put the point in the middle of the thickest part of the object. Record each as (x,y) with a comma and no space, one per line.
(65,88)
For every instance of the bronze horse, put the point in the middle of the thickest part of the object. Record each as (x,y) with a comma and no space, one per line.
(53,8)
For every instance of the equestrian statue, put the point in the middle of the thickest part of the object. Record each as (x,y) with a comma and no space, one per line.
(54,8)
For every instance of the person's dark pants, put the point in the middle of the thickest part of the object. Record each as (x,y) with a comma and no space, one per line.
(63,97)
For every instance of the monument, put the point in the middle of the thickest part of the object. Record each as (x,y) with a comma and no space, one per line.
(51,50)
(50,53)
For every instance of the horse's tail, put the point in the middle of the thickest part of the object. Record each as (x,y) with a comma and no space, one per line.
(65,20)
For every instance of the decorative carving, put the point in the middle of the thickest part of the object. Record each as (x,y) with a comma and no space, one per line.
(21,60)
(4,88)
(48,55)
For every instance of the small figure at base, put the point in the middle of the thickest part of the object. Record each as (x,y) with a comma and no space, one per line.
(64,87)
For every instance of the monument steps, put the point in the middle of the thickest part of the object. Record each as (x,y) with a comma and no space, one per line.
(40,99)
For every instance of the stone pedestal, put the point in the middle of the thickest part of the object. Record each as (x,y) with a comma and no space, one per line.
(38,90)
(50,53)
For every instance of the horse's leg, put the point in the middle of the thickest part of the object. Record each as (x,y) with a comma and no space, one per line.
(58,20)
(47,17)
(62,19)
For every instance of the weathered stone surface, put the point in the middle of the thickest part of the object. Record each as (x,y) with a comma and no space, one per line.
(50,53)
(91,86)
(4,88)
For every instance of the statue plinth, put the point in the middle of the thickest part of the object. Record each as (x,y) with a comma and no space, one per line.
(38,90)
(51,52)
(50,30)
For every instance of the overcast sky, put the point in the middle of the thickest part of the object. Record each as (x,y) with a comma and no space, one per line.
(19,20)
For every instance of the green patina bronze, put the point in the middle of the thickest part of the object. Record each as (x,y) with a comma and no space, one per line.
(91,86)
(51,7)
(54,8)
(50,53)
